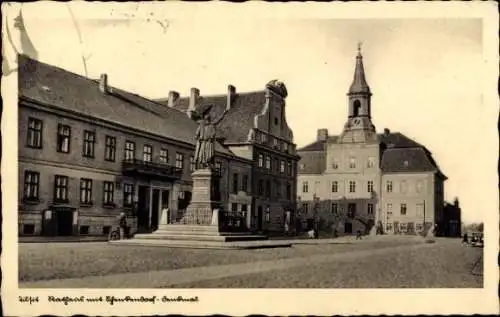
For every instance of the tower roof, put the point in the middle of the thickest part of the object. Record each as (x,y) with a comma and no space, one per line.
(359,84)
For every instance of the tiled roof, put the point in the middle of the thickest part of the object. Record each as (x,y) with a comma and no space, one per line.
(406,160)
(400,154)
(59,88)
(238,121)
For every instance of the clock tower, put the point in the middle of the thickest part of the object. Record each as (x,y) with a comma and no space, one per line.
(359,127)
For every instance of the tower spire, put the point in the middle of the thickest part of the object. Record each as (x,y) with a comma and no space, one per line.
(359,84)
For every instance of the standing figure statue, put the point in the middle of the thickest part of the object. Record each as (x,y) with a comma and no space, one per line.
(205,139)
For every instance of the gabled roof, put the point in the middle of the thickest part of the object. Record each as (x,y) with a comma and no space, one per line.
(238,121)
(62,89)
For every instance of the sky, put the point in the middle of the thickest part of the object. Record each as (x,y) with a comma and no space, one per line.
(425,73)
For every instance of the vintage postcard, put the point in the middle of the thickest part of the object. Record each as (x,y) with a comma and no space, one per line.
(253,158)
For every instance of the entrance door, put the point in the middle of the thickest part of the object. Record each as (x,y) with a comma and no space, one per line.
(64,222)
(259,218)
(348,227)
(165,195)
(143,208)
(155,208)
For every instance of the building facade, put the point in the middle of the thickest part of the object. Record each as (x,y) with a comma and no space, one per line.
(361,179)
(255,129)
(88,151)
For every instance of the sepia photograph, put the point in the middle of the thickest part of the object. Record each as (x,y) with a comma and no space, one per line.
(202,148)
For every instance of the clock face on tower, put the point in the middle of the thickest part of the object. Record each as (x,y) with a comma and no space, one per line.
(356,122)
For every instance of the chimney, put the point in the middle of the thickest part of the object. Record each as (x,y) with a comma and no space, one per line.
(387,131)
(231,92)
(193,98)
(103,83)
(322,134)
(173,98)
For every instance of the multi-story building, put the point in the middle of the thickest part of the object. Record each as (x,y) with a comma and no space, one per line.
(255,129)
(360,178)
(451,225)
(88,151)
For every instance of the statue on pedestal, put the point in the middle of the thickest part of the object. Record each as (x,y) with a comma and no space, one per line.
(205,138)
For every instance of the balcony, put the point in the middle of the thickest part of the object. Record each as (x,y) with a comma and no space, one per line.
(138,168)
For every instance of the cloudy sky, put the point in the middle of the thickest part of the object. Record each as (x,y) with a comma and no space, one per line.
(426,74)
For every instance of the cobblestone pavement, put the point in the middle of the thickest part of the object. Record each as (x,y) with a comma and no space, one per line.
(368,264)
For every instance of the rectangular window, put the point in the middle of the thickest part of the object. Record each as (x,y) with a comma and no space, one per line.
(403,209)
(305,187)
(191,164)
(420,210)
(268,162)
(389,209)
(63,138)
(129,151)
(335,186)
(288,191)
(244,183)
(61,188)
(370,209)
(88,144)
(34,135)
(147,153)
(31,185)
(218,167)
(351,210)
(128,194)
(110,150)
(234,207)
(260,187)
(370,186)
(282,167)
(388,227)
(352,162)
(164,156)
(235,183)
(419,227)
(268,214)
(403,186)
(268,188)
(85,191)
(419,186)
(277,184)
(403,227)
(305,208)
(335,164)
(289,168)
(109,190)
(388,186)
(261,160)
(276,165)
(335,208)
(371,162)
(179,160)
(352,186)
(285,147)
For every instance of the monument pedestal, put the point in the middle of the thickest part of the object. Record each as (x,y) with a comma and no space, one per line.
(200,222)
